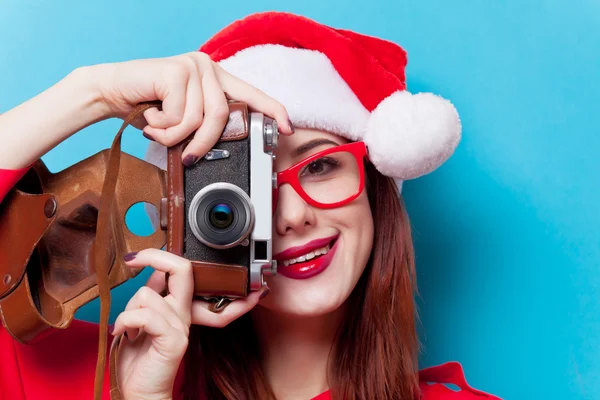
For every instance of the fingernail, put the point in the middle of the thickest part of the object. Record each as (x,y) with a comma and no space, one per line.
(291,126)
(265,293)
(130,256)
(189,160)
(148,136)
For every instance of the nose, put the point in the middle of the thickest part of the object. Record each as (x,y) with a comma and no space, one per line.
(292,213)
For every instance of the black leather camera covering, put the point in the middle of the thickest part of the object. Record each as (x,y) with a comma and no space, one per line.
(235,170)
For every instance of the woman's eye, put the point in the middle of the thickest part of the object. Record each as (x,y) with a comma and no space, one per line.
(320,166)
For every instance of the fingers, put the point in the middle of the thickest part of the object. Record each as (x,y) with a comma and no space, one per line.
(177,309)
(154,117)
(148,298)
(169,341)
(202,316)
(145,319)
(172,89)
(216,114)
(157,281)
(181,279)
(193,92)
(192,117)
(256,99)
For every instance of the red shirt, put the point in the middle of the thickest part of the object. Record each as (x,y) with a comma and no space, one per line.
(62,366)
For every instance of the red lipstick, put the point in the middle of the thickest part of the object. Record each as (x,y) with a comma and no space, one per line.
(309,268)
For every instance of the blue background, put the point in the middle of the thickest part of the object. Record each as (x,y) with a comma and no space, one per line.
(506,232)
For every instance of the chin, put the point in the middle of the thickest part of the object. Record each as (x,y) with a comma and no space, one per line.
(306,304)
(316,296)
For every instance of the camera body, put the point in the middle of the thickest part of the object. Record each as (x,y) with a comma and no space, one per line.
(228,198)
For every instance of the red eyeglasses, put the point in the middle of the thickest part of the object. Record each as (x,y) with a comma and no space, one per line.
(328,179)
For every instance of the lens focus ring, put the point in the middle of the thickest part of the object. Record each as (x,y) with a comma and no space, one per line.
(221,215)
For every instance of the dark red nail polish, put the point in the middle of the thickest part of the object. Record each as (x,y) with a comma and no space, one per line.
(190,160)
(264,294)
(148,136)
(130,256)
(291,126)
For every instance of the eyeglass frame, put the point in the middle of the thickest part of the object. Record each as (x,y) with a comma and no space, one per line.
(290,175)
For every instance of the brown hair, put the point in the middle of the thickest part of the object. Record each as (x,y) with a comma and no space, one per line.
(375,352)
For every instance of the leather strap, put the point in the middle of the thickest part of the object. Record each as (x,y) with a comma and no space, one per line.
(115,391)
(103,244)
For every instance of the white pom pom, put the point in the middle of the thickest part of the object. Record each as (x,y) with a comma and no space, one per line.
(411,135)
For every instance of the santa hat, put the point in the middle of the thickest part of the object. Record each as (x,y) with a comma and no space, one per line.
(342,82)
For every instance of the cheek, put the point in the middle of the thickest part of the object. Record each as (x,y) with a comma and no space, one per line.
(360,236)
(326,292)
(356,227)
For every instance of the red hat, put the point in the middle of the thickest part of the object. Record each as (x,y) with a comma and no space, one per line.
(342,82)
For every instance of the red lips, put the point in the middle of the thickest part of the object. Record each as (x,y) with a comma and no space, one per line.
(310,268)
(297,251)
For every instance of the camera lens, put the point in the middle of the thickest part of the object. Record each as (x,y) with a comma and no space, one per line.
(221,216)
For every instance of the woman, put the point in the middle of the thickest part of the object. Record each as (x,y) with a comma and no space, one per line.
(339,318)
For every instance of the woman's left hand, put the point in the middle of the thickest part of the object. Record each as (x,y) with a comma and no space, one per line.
(157,328)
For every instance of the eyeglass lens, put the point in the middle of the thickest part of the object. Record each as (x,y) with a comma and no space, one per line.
(331,178)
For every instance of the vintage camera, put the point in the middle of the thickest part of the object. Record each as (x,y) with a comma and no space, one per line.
(228,198)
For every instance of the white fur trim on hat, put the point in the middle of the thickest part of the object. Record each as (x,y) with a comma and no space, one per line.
(306,83)
(407,135)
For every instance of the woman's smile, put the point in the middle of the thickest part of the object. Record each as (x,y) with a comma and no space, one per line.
(308,260)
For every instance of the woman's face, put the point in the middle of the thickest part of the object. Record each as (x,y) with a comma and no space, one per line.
(308,282)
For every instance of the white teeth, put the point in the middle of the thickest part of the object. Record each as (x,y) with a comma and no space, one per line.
(322,251)
(309,256)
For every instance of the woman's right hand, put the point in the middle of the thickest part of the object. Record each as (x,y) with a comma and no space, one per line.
(194,92)
(157,327)
(192,88)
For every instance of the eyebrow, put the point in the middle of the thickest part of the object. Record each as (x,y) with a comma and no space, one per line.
(303,148)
